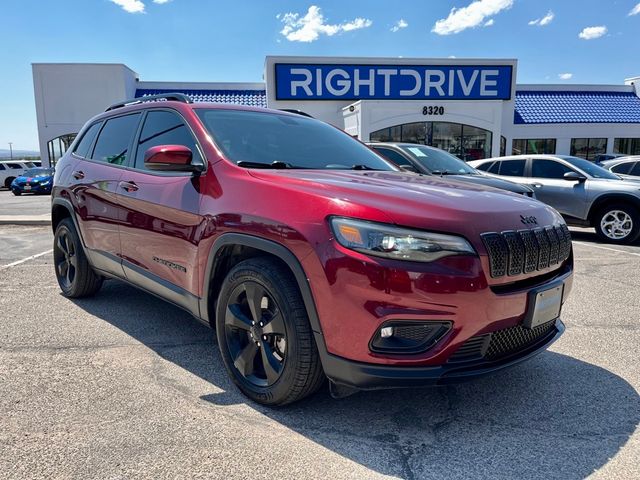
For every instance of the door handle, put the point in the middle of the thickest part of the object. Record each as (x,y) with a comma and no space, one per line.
(129,186)
(78,174)
(537,185)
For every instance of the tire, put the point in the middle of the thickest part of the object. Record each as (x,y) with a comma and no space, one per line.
(7,182)
(618,223)
(17,193)
(73,272)
(286,366)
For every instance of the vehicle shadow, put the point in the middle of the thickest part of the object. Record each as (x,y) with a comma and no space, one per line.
(552,417)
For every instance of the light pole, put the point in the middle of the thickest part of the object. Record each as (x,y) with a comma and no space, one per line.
(11,150)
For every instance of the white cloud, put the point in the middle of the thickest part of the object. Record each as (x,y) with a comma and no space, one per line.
(312,25)
(136,6)
(565,76)
(635,10)
(131,6)
(589,33)
(399,24)
(489,22)
(471,16)
(546,20)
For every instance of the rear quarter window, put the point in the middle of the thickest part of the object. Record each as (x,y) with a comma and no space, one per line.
(82,148)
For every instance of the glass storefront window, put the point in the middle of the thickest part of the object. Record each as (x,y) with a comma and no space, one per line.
(503,146)
(58,146)
(540,146)
(627,146)
(465,141)
(588,148)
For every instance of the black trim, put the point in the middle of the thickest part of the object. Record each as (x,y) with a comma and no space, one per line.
(365,376)
(161,288)
(63,202)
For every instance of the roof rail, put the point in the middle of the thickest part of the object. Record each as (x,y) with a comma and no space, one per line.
(297,112)
(178,97)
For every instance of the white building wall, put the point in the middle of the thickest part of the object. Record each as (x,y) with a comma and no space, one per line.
(67,95)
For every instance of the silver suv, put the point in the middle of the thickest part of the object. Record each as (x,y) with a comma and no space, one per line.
(584,193)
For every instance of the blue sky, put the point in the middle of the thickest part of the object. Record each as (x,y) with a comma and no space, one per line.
(573,41)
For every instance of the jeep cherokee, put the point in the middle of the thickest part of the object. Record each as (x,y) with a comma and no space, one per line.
(310,255)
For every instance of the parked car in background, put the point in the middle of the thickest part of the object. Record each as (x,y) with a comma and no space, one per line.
(624,166)
(34,180)
(433,161)
(11,169)
(311,255)
(586,194)
(603,157)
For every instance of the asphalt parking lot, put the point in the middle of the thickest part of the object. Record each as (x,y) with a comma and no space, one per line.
(126,386)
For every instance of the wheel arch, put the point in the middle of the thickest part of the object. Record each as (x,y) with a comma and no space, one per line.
(62,208)
(609,198)
(229,249)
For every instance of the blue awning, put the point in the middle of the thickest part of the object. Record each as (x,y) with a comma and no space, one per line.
(251,98)
(535,107)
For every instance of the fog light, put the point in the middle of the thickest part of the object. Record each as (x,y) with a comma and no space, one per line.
(386,332)
(408,336)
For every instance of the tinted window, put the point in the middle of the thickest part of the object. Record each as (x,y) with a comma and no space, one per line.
(263,138)
(485,166)
(512,168)
(635,170)
(548,169)
(164,128)
(15,166)
(39,172)
(82,149)
(113,142)
(622,168)
(1,167)
(393,156)
(436,160)
(589,168)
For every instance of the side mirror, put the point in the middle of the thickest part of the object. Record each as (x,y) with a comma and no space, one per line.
(574,177)
(170,158)
(409,168)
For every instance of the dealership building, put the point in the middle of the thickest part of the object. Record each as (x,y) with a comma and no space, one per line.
(472,108)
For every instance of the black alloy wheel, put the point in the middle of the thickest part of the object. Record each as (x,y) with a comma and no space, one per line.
(264,335)
(66,260)
(255,334)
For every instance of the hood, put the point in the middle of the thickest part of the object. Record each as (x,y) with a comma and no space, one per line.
(493,182)
(424,202)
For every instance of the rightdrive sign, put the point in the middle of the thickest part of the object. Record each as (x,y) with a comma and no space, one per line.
(392,82)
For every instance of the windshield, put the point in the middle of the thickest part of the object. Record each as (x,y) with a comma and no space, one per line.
(438,161)
(38,172)
(589,168)
(286,141)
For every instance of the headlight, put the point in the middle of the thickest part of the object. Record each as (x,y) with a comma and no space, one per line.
(383,240)
(45,183)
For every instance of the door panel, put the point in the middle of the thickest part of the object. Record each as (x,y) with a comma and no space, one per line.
(160,217)
(568,197)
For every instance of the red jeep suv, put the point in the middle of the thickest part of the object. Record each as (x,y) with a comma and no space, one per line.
(311,256)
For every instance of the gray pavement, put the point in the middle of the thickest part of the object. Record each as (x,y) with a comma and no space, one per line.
(24,205)
(123,385)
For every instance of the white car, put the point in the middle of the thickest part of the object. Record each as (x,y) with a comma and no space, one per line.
(10,169)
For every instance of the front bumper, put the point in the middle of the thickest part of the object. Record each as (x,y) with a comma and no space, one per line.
(365,376)
(34,189)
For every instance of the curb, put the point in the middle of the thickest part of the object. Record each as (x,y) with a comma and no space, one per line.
(25,221)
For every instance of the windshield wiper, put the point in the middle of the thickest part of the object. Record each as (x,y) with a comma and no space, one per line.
(362,167)
(277,164)
(442,172)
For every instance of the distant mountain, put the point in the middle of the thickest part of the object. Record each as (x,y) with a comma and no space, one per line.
(5,153)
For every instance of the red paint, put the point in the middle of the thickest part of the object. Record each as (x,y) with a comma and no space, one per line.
(178,218)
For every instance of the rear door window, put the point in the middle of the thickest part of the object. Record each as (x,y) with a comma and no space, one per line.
(623,168)
(15,166)
(511,168)
(542,168)
(114,139)
(82,149)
